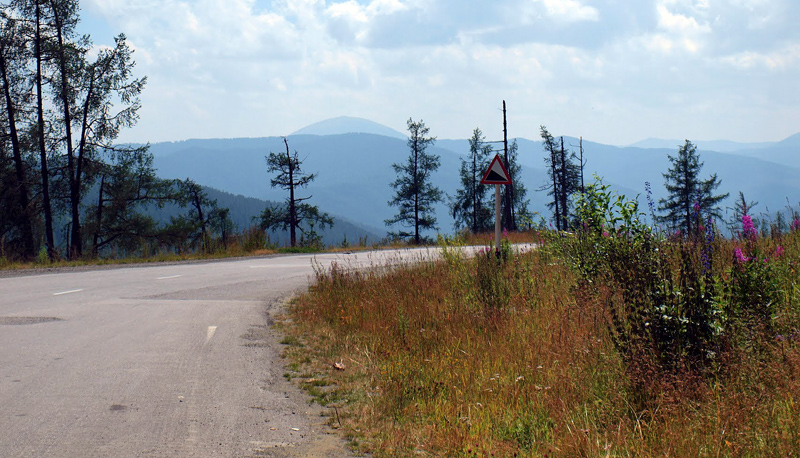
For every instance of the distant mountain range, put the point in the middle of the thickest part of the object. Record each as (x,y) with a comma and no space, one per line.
(353,159)
(349,125)
(721,146)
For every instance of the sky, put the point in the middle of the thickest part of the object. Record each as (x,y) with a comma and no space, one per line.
(611,71)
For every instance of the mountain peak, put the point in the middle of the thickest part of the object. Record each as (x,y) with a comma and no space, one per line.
(348,125)
(793,140)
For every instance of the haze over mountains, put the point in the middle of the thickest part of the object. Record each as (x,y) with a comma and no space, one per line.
(353,159)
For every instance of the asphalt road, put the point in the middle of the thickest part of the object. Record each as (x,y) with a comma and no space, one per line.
(158,361)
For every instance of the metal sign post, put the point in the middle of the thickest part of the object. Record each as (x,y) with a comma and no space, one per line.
(496,175)
(497,220)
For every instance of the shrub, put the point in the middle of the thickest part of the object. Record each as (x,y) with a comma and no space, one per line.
(659,295)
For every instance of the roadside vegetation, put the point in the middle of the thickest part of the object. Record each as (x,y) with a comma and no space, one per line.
(615,339)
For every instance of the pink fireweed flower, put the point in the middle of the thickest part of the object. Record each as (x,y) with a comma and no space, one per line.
(748,228)
(605,234)
(778,251)
(739,256)
(796,225)
(505,232)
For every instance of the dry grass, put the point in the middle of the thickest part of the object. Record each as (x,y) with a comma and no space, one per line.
(466,358)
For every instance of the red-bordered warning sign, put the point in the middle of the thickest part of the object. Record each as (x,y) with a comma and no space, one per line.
(497,173)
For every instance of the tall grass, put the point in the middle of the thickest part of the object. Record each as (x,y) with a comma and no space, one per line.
(608,342)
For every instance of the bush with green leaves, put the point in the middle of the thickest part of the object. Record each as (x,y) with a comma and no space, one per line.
(752,293)
(660,301)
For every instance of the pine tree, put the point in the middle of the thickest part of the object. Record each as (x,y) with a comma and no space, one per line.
(128,188)
(740,208)
(292,215)
(565,176)
(414,193)
(71,114)
(16,211)
(519,204)
(688,195)
(470,207)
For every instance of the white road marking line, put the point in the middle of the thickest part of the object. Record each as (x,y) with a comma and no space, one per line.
(210,332)
(274,266)
(170,277)
(67,292)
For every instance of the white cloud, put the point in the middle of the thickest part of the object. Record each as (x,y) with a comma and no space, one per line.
(246,67)
(570,10)
(560,11)
(678,23)
(784,59)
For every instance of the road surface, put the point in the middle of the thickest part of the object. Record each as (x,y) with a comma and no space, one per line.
(158,361)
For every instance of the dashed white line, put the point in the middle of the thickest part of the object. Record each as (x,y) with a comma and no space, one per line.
(210,332)
(167,278)
(67,292)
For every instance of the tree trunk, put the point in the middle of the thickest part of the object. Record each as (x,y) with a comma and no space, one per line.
(553,162)
(98,218)
(20,187)
(201,218)
(474,185)
(292,206)
(48,212)
(416,193)
(583,188)
(564,186)
(76,240)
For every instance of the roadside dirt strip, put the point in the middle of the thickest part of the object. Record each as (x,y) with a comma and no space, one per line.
(171,360)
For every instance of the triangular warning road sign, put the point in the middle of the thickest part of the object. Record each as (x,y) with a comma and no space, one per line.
(497,173)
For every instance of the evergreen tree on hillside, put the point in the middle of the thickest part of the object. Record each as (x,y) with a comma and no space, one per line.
(62,108)
(565,176)
(519,204)
(204,217)
(741,207)
(470,207)
(295,213)
(16,213)
(688,195)
(414,193)
(127,187)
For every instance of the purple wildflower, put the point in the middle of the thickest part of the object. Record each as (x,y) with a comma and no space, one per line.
(796,225)
(778,251)
(748,229)
(708,248)
(740,257)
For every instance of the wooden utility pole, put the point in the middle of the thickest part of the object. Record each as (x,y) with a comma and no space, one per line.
(509,196)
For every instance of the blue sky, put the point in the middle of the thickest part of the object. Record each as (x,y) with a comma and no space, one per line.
(613,71)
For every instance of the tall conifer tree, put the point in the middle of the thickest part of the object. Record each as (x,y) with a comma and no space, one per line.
(470,207)
(292,216)
(688,195)
(414,193)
